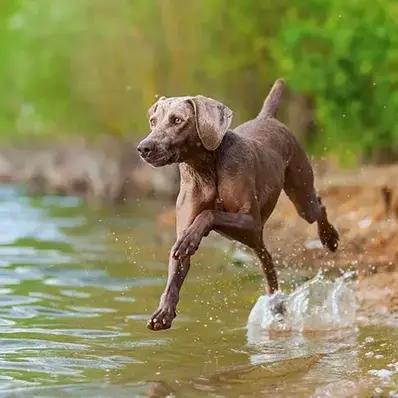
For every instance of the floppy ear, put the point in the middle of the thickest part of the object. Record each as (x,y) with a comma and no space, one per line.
(154,107)
(212,120)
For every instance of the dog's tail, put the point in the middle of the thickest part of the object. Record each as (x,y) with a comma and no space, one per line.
(273,99)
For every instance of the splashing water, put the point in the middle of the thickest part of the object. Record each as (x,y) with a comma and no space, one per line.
(317,305)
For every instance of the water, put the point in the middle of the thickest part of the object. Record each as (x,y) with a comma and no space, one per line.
(317,305)
(78,283)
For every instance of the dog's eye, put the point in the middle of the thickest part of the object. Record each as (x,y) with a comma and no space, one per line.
(152,121)
(177,120)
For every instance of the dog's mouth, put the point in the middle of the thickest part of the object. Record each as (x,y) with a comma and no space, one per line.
(162,159)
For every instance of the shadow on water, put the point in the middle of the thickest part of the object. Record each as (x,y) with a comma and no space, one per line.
(79,282)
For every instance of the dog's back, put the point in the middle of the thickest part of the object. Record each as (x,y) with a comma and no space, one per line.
(269,137)
(267,148)
(268,133)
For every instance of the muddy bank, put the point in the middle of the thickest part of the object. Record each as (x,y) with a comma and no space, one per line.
(362,204)
(379,292)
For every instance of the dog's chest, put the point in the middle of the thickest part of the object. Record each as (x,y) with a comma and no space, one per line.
(219,204)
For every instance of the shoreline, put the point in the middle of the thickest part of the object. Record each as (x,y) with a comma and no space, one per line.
(361,203)
(109,172)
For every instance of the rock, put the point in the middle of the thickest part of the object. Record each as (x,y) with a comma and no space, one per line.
(112,174)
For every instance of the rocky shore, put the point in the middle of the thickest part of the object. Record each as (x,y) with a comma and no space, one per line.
(107,172)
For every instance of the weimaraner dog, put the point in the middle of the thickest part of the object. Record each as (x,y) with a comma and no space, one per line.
(230,181)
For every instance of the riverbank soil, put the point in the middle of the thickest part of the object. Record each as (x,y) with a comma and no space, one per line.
(363,206)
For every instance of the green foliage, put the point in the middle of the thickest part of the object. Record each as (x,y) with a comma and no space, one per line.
(94,66)
(343,54)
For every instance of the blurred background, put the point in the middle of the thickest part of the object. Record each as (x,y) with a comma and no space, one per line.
(91,68)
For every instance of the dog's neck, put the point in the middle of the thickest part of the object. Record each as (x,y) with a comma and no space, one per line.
(201,167)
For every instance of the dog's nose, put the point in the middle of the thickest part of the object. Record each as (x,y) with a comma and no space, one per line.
(145,148)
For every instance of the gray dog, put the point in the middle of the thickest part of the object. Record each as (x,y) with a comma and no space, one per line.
(230,181)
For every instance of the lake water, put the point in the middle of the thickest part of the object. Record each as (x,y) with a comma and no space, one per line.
(78,282)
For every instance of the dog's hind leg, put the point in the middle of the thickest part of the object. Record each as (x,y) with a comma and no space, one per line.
(327,233)
(299,187)
(268,268)
(277,302)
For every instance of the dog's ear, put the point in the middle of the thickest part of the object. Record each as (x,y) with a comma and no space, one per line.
(212,120)
(154,107)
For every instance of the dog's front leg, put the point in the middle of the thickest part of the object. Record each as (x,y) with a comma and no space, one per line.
(240,226)
(178,269)
(166,312)
(189,241)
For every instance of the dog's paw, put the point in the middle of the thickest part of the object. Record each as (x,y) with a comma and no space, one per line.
(277,304)
(162,318)
(329,237)
(187,245)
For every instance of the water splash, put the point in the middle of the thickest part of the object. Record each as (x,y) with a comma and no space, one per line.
(317,305)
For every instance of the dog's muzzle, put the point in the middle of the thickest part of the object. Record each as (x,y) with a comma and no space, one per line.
(146,148)
(154,153)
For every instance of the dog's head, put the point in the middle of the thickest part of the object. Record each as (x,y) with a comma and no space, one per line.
(180,126)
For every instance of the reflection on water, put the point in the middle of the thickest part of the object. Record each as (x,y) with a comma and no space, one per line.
(78,283)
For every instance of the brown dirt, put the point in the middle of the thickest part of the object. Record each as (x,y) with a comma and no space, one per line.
(356,206)
(379,292)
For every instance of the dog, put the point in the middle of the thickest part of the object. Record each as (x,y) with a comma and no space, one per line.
(230,181)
